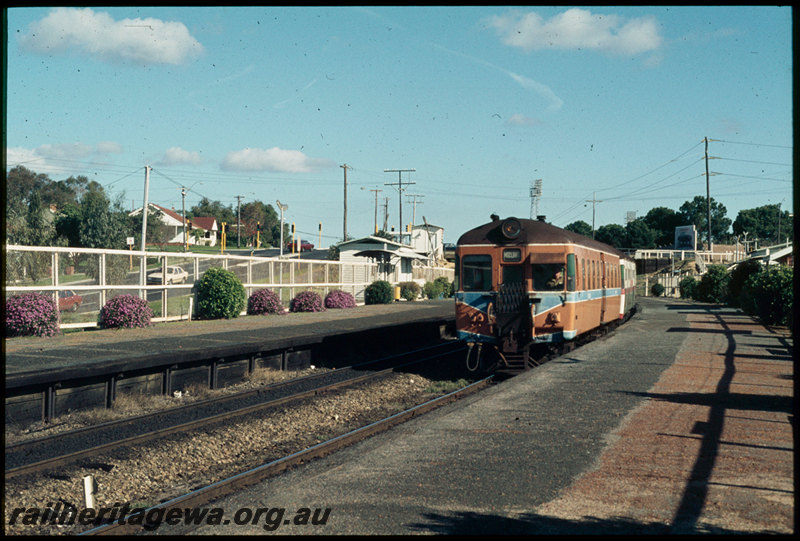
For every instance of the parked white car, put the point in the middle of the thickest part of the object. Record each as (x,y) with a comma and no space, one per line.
(175,275)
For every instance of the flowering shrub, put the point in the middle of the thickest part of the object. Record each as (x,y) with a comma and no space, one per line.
(306,301)
(220,294)
(31,314)
(339,299)
(264,301)
(128,311)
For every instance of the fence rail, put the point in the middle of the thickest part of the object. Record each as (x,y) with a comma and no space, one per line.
(96,275)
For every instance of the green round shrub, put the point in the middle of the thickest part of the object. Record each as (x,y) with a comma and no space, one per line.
(769,295)
(409,290)
(688,288)
(445,285)
(713,285)
(220,294)
(739,276)
(657,290)
(379,292)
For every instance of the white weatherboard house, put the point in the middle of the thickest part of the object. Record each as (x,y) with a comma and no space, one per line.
(207,225)
(394,259)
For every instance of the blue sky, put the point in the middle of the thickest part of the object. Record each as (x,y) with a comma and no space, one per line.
(267,103)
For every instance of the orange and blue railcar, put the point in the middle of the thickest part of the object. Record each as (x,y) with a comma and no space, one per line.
(525,283)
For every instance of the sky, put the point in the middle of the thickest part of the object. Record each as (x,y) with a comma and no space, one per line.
(610,107)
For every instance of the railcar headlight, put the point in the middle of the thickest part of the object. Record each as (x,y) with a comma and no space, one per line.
(511,228)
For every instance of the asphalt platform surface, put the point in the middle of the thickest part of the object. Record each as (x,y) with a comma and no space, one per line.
(74,354)
(681,421)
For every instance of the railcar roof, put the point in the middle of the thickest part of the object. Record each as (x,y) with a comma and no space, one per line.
(533,232)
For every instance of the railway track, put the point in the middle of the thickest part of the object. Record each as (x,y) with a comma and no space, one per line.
(176,489)
(50,452)
(138,521)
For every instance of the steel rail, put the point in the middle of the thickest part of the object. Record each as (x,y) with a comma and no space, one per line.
(25,445)
(255,475)
(184,427)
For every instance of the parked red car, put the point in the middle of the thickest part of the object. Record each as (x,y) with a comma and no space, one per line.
(68,300)
(305,246)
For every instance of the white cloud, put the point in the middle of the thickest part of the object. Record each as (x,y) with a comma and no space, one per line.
(273,159)
(178,156)
(109,147)
(145,41)
(66,151)
(60,158)
(578,29)
(518,119)
(544,90)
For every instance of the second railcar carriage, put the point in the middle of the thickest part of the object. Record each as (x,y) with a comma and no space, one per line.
(520,283)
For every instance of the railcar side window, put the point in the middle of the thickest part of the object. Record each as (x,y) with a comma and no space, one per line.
(476,272)
(584,285)
(548,276)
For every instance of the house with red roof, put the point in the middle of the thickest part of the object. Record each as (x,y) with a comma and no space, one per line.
(200,230)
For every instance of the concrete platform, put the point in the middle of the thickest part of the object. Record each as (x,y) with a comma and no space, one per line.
(679,422)
(47,376)
(34,359)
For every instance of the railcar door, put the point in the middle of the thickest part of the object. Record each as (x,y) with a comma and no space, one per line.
(602,288)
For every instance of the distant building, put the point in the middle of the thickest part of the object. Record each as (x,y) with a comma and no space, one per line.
(207,225)
(394,260)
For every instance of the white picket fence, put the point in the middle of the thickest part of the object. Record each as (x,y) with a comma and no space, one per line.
(97,275)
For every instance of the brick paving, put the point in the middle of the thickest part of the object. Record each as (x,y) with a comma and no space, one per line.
(712,447)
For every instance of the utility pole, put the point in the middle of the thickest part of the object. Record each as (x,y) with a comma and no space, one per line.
(414,201)
(376,209)
(282,207)
(238,221)
(183,210)
(344,225)
(593,201)
(386,214)
(399,185)
(708,197)
(147,170)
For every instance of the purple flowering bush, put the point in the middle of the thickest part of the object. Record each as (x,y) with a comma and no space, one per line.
(127,311)
(339,299)
(264,301)
(31,314)
(306,301)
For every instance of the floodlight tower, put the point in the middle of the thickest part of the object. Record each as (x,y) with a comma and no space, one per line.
(536,194)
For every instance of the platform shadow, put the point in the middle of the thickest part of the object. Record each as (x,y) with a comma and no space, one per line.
(472,523)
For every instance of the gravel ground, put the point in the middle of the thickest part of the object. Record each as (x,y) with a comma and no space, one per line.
(165,469)
(130,405)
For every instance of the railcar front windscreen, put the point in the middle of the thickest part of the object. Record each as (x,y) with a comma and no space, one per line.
(476,272)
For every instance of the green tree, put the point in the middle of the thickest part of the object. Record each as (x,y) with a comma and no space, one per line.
(68,225)
(255,212)
(763,223)
(663,221)
(695,212)
(580,227)
(39,227)
(612,234)
(640,235)
(206,207)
